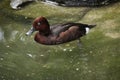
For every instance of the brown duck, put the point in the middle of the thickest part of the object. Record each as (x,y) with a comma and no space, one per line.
(57,34)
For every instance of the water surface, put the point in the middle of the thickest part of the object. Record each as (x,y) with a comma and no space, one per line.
(21,58)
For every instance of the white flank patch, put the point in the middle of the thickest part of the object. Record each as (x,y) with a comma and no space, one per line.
(87,30)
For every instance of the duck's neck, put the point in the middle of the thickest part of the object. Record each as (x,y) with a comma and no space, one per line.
(45,29)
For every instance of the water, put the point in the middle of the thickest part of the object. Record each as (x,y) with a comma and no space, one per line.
(21,58)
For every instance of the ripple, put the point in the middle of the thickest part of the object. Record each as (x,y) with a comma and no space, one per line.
(64,49)
(13,35)
(77,69)
(1,59)
(30,55)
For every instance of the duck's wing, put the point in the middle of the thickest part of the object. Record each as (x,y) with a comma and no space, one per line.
(57,29)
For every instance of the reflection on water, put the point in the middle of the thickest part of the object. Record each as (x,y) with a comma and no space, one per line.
(1,35)
(21,58)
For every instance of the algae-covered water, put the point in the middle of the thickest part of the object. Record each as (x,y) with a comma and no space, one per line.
(21,58)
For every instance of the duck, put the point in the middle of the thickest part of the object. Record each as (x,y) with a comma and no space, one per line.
(59,33)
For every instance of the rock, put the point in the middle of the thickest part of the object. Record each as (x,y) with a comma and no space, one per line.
(49,2)
(73,3)
(15,4)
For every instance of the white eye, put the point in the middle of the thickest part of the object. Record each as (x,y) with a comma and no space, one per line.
(39,24)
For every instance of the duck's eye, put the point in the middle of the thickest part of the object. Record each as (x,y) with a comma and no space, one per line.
(39,24)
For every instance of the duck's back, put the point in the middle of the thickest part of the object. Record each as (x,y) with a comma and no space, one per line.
(57,29)
(68,32)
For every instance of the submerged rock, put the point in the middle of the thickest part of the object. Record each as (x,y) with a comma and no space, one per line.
(15,4)
(81,2)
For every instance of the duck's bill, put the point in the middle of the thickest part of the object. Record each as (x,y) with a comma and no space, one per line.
(30,31)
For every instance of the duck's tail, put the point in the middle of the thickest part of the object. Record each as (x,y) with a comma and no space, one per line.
(91,26)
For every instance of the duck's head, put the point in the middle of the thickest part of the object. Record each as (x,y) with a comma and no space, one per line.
(39,24)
